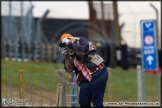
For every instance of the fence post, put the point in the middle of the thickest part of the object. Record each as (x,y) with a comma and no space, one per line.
(60,89)
(139,81)
(10,46)
(78,88)
(109,85)
(54,52)
(48,52)
(42,51)
(21,84)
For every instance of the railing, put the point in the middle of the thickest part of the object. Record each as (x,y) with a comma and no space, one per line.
(37,52)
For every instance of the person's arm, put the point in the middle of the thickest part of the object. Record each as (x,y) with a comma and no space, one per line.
(68,64)
(83,46)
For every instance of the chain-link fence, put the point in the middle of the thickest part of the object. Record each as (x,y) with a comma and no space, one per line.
(50,89)
(17,28)
(39,89)
(17,21)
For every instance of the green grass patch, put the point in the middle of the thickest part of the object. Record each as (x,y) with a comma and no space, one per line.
(42,76)
(125,86)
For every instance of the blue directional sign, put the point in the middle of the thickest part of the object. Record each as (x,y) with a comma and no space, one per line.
(149,47)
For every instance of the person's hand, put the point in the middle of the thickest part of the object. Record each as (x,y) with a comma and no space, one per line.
(63,51)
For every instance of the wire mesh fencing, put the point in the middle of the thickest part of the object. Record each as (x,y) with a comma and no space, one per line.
(125,86)
(41,52)
(39,89)
(42,89)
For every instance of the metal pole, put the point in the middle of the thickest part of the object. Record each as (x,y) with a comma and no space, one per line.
(35,50)
(6,29)
(158,76)
(144,85)
(143,71)
(9,38)
(139,82)
(50,90)
(22,34)
(21,21)
(157,24)
(76,91)
(31,89)
(41,88)
(29,33)
(64,82)
(73,91)
(16,48)
(10,86)
(9,22)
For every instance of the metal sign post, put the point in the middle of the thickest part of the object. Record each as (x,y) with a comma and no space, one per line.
(149,50)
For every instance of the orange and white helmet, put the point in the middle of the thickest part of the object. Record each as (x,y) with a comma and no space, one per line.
(65,36)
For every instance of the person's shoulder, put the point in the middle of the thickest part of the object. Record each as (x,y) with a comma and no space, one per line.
(83,38)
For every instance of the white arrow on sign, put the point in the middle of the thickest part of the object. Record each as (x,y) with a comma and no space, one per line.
(149,59)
